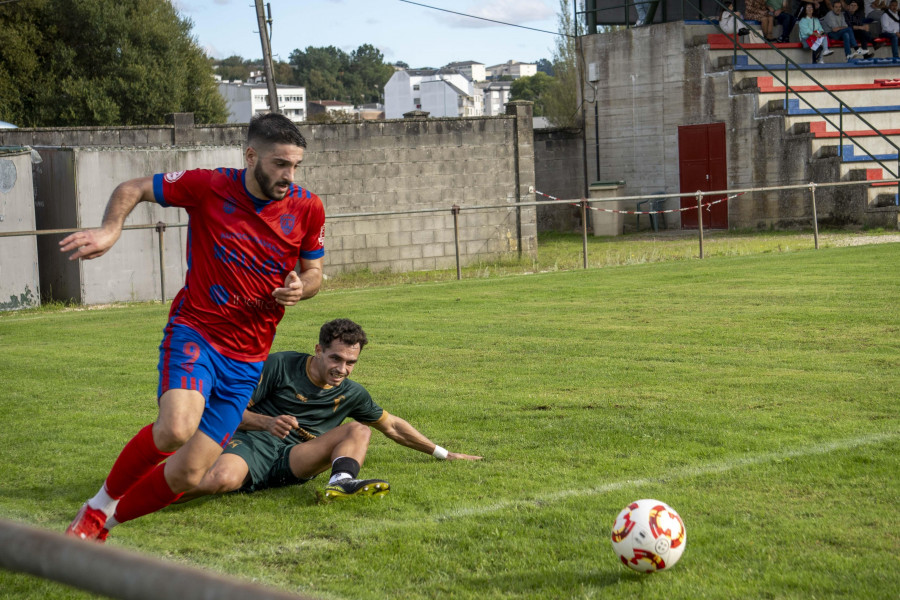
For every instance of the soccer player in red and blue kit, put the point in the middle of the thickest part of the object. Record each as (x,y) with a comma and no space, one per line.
(248,230)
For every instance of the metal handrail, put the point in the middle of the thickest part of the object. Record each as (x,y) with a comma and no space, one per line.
(444,209)
(455,211)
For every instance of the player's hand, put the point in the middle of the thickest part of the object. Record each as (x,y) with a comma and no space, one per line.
(458,456)
(292,292)
(90,243)
(281,426)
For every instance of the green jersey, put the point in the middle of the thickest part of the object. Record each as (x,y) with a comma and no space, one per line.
(286,389)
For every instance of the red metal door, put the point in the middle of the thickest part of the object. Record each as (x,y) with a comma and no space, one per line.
(702,167)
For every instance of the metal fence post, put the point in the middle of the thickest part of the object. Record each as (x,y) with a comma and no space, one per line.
(584,206)
(161,229)
(812,192)
(700,219)
(455,211)
(787,87)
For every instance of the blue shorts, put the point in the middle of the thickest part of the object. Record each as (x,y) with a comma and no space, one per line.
(188,362)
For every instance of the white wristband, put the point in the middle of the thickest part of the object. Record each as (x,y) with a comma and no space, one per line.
(440,453)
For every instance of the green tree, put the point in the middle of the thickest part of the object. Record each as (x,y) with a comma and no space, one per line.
(533,88)
(321,71)
(561,100)
(284,73)
(331,74)
(233,68)
(369,72)
(545,66)
(101,62)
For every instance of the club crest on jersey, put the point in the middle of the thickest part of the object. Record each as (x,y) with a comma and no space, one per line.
(229,207)
(218,294)
(174,176)
(287,223)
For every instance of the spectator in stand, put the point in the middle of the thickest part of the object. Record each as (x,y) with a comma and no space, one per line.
(890,26)
(812,35)
(820,8)
(778,11)
(873,9)
(641,7)
(837,29)
(857,20)
(728,21)
(755,10)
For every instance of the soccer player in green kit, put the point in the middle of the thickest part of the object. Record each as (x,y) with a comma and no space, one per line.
(291,430)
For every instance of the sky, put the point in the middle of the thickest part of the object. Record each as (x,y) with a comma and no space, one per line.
(418,36)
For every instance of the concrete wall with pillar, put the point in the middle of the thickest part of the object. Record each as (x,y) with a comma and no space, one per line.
(19,282)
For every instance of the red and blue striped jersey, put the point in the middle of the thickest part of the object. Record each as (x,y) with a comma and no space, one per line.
(239,249)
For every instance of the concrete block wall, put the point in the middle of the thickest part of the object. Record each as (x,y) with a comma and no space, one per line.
(652,80)
(559,172)
(423,166)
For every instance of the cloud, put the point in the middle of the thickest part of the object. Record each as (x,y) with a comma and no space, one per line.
(517,12)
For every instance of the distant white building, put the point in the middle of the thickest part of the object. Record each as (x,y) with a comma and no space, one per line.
(512,69)
(471,69)
(333,107)
(442,93)
(496,95)
(245,100)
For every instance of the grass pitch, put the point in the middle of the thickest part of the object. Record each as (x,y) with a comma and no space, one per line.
(757,395)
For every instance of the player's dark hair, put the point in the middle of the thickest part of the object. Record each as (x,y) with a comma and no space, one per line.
(344,330)
(273,128)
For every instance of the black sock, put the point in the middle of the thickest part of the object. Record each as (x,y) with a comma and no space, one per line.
(345,464)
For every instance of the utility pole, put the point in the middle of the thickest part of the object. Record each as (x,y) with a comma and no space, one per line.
(267,56)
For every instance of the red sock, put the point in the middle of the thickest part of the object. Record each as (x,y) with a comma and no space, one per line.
(149,495)
(138,457)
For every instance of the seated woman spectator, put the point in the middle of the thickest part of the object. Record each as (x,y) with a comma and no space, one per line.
(890,26)
(729,24)
(820,8)
(812,35)
(857,20)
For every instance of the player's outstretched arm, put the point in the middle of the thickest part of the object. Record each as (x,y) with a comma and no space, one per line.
(405,434)
(93,243)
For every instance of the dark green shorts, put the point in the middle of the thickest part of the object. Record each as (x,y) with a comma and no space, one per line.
(267,457)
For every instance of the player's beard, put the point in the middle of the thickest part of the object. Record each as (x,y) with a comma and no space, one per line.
(267,185)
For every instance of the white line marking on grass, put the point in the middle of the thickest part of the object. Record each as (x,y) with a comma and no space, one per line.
(719,467)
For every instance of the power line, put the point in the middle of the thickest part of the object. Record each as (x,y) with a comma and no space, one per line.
(485,19)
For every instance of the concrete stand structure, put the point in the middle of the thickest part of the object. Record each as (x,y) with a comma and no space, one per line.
(650,89)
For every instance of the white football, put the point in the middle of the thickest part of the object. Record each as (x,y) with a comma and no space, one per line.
(648,536)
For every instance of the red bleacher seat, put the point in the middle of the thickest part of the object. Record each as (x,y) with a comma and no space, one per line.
(722,41)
